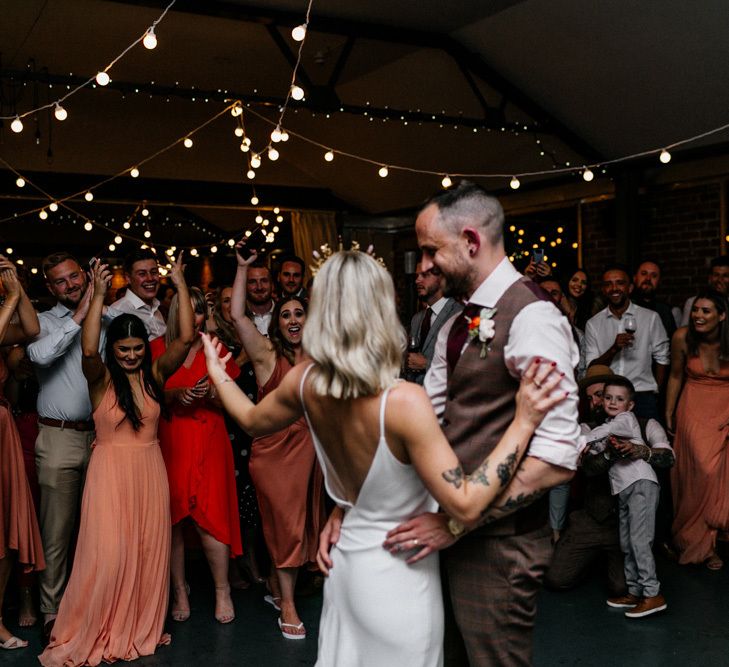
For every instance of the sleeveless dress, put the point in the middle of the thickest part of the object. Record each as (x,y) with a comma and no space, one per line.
(18,524)
(115,603)
(289,486)
(379,611)
(199,459)
(700,477)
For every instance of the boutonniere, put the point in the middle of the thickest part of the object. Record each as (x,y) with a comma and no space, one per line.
(482,326)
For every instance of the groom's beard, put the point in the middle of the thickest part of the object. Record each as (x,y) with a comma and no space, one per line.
(460,281)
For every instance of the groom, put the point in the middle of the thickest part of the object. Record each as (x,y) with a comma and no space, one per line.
(493,571)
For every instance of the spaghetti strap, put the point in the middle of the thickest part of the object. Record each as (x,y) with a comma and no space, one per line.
(383,402)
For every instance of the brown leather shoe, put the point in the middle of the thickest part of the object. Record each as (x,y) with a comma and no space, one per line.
(624,601)
(647,606)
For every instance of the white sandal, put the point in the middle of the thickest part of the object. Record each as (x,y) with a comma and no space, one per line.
(13,642)
(291,635)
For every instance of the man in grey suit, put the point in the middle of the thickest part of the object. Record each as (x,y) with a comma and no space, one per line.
(426,323)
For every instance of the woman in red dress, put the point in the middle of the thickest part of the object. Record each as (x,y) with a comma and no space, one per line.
(199,461)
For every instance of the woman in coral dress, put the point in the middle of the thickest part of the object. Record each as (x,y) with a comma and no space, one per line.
(199,461)
(700,478)
(19,534)
(115,604)
(283,467)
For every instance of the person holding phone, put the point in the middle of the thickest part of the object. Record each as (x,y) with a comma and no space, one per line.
(537,267)
(199,460)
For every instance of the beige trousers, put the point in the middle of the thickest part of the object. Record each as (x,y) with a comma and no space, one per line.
(61,457)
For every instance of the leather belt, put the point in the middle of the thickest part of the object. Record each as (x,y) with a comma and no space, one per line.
(64,423)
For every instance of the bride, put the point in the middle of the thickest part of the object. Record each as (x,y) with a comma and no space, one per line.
(384,458)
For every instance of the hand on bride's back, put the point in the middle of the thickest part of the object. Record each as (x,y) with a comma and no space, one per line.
(539,391)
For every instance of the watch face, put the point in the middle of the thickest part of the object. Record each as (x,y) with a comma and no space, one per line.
(456,528)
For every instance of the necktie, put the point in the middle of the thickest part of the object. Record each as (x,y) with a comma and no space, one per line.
(457,335)
(425,325)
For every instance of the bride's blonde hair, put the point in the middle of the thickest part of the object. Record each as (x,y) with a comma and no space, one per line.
(352,331)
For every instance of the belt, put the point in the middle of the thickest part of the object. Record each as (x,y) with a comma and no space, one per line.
(66,423)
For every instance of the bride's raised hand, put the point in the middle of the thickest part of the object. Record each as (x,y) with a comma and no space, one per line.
(539,391)
(215,363)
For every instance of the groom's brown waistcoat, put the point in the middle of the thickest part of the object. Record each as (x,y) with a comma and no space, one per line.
(480,403)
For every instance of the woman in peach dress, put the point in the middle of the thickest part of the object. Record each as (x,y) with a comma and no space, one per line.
(700,478)
(19,534)
(115,604)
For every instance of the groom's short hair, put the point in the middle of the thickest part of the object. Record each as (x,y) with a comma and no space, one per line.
(469,205)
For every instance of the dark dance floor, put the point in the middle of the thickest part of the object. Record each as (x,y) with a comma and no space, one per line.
(573,628)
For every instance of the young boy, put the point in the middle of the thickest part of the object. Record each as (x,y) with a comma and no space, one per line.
(634,481)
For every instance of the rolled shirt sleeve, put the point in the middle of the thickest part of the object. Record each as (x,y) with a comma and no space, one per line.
(661,347)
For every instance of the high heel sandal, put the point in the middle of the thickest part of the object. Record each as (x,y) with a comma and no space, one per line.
(181,615)
(224,617)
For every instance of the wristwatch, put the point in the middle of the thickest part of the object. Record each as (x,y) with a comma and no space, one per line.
(455,528)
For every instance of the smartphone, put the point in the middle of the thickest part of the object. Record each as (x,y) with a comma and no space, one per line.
(93,262)
(203,379)
(538,255)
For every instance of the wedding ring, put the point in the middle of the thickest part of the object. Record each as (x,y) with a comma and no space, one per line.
(415,543)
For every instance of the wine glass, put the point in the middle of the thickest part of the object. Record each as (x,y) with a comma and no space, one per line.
(630,325)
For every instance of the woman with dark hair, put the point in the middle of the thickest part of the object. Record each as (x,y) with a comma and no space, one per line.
(19,535)
(578,301)
(697,409)
(199,461)
(116,600)
(287,479)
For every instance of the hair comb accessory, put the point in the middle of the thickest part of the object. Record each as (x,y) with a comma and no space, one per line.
(325,252)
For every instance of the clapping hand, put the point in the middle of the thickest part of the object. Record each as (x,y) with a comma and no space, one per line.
(101,278)
(9,278)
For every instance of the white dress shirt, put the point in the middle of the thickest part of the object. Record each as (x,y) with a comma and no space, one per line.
(635,362)
(624,472)
(263,321)
(56,356)
(539,329)
(686,312)
(130,303)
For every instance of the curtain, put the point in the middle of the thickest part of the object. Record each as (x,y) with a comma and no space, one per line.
(311,229)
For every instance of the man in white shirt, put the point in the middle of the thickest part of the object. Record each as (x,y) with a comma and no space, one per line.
(718,280)
(494,571)
(642,355)
(66,428)
(142,273)
(426,323)
(259,304)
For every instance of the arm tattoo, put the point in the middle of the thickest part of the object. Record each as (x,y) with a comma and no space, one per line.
(454,476)
(505,469)
(509,506)
(479,476)
(662,457)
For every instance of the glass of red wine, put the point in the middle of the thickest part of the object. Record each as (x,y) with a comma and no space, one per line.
(630,325)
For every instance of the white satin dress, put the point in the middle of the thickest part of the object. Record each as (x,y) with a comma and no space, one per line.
(378,610)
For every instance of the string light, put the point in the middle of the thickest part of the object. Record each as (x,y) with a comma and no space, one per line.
(245,147)
(118,239)
(43,214)
(297,92)
(145,211)
(276,135)
(284,135)
(102,78)
(193,252)
(89,196)
(53,206)
(17,125)
(20,182)
(272,154)
(147,233)
(514,183)
(665,156)
(383,172)
(213,249)
(446,182)
(275,229)
(255,160)
(298,34)
(187,143)
(150,39)
(259,219)
(254,200)
(88,226)
(231,242)
(329,156)
(34,270)
(8,251)
(251,174)
(279,218)
(248,233)
(587,174)
(60,113)
(134,172)
(239,131)
(19,261)
(112,247)
(276,210)
(236,111)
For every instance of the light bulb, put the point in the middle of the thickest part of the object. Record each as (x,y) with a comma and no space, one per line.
(259,219)
(150,39)
(34,270)
(521,232)
(297,92)
(246,141)
(558,241)
(542,239)
(276,209)
(446,182)
(238,132)
(169,251)
(231,242)
(89,196)
(284,135)
(251,174)
(17,125)
(102,78)
(575,245)
(514,183)
(276,135)
(255,161)
(512,228)
(275,229)
(59,112)
(8,251)
(588,175)
(383,172)
(144,246)
(19,261)
(254,200)
(248,233)
(43,214)
(88,226)
(329,156)
(53,206)
(147,234)
(245,147)
(213,249)
(665,156)
(236,111)
(560,230)
(279,218)
(118,239)
(145,212)
(112,247)
(265,222)
(272,154)
(126,225)
(20,182)
(187,143)
(134,172)
(193,252)
(298,34)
